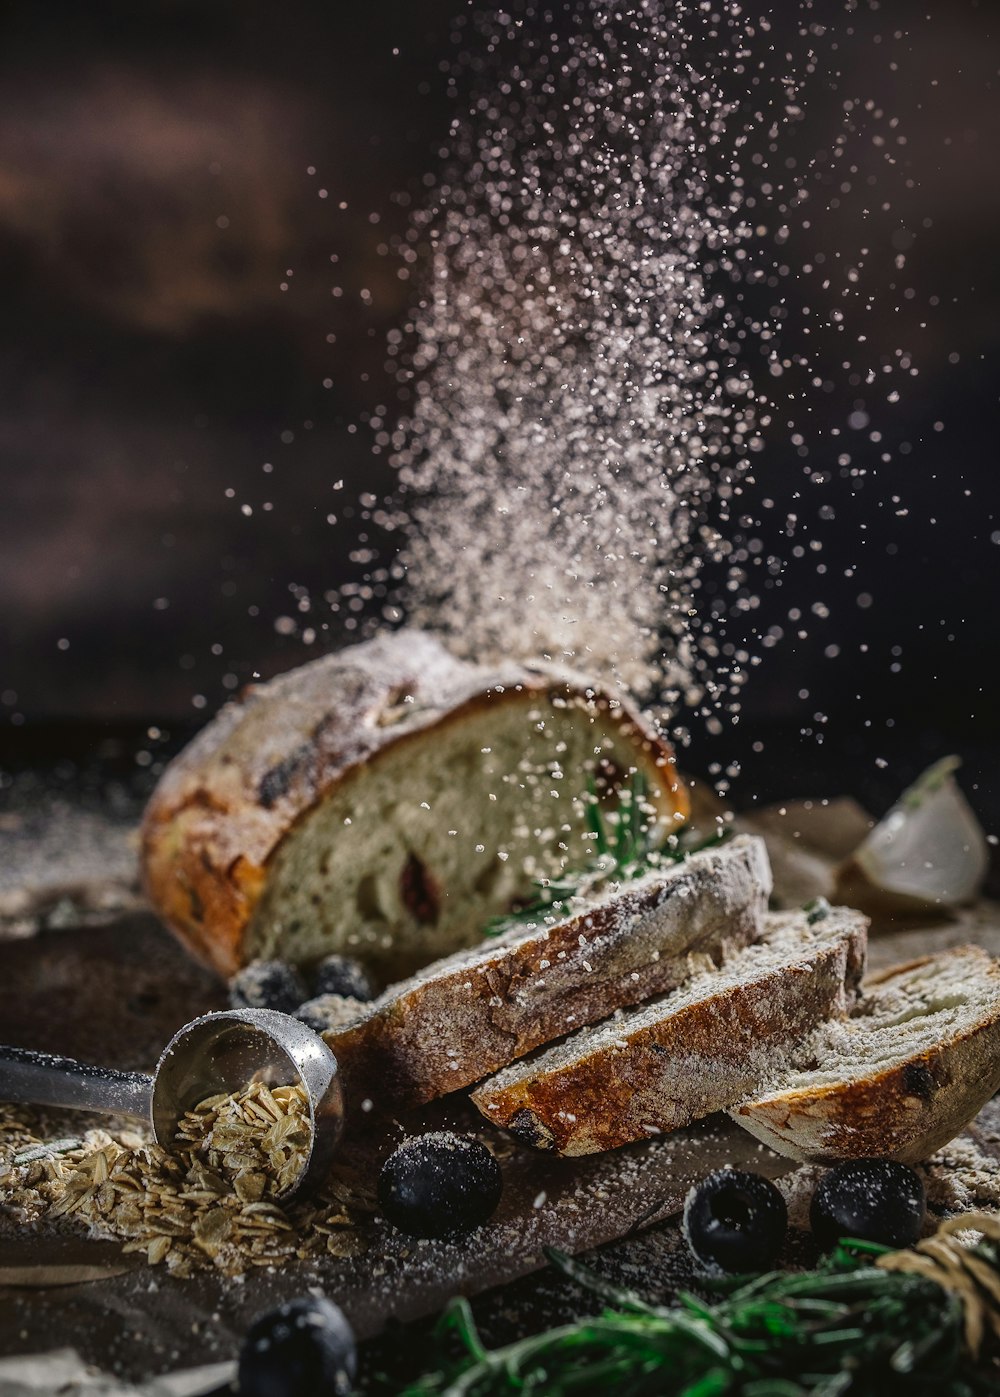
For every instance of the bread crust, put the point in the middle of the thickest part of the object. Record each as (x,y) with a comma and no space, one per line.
(655,1074)
(905,1111)
(475,1011)
(225,805)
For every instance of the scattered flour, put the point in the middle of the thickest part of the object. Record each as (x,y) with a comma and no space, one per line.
(579,410)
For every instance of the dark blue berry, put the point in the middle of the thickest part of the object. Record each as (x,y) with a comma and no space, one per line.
(344,976)
(735,1220)
(439,1185)
(329,1011)
(875,1200)
(304,1348)
(267,984)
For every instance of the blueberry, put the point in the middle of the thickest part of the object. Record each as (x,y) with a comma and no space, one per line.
(875,1200)
(735,1220)
(328,1011)
(267,984)
(344,976)
(439,1185)
(304,1348)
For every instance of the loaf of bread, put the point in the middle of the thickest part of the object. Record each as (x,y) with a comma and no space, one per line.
(475,1011)
(386,802)
(686,1054)
(905,1073)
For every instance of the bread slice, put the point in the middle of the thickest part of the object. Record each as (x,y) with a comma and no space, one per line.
(693,1051)
(917,1059)
(476,1011)
(386,802)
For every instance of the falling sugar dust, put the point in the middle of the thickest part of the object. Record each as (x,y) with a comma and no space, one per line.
(579,404)
(589,374)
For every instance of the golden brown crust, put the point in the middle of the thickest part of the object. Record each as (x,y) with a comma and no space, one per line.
(905,1110)
(678,1061)
(476,1011)
(224,806)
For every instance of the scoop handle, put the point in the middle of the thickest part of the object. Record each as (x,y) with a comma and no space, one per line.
(44,1079)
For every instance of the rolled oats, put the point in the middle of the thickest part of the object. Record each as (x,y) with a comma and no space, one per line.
(214,1200)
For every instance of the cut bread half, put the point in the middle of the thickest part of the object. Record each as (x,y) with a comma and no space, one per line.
(689,1053)
(386,802)
(917,1059)
(475,1011)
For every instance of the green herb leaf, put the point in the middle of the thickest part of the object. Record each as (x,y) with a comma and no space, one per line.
(846,1327)
(624,847)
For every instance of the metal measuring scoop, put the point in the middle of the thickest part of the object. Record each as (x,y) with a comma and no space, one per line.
(221,1052)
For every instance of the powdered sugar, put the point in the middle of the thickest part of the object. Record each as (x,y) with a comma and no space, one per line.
(961,1177)
(914,1011)
(578,396)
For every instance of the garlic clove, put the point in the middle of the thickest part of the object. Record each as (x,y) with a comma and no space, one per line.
(929,848)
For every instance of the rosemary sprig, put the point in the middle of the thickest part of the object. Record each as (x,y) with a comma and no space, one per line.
(623,846)
(846,1327)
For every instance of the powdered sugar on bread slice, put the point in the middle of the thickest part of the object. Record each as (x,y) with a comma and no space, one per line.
(688,1053)
(475,1011)
(914,1063)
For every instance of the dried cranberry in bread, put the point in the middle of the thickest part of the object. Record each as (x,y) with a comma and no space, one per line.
(385,802)
(476,1010)
(904,1074)
(686,1054)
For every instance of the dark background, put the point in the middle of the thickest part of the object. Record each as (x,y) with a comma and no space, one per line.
(170,324)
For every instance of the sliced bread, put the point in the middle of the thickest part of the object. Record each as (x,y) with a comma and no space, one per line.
(689,1053)
(475,1011)
(917,1059)
(387,801)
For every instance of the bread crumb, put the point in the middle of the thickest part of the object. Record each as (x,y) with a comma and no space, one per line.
(960,1178)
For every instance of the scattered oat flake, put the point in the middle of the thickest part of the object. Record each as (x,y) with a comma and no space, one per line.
(213,1201)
